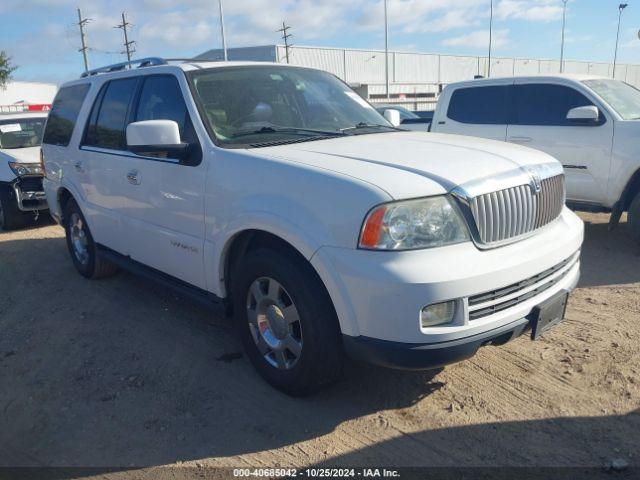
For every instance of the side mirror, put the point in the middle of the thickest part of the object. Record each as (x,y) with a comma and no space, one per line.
(156,138)
(588,115)
(392,116)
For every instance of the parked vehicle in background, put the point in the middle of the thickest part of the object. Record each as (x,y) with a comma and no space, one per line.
(590,124)
(21,194)
(408,119)
(280,194)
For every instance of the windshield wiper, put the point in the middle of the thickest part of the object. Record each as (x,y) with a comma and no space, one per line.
(294,130)
(363,125)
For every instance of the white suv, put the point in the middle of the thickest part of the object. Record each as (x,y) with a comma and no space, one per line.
(590,124)
(280,194)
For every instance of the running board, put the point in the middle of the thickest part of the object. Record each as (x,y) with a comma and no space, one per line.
(206,299)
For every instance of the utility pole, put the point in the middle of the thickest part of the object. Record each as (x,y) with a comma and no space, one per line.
(490,35)
(129,45)
(285,36)
(621,7)
(386,50)
(81,23)
(224,38)
(564,16)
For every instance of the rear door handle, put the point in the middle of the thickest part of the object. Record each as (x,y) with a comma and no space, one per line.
(516,139)
(78,166)
(132,177)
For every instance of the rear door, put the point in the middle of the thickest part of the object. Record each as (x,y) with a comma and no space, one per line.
(165,211)
(104,162)
(584,149)
(479,111)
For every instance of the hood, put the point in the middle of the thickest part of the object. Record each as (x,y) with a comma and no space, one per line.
(21,155)
(412,164)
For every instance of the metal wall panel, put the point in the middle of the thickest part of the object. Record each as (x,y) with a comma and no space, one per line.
(367,66)
(526,66)
(416,68)
(502,67)
(454,69)
(331,60)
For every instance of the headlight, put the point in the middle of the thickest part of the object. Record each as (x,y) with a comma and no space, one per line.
(413,224)
(21,169)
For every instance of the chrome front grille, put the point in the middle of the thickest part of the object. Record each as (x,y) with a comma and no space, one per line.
(494,301)
(512,212)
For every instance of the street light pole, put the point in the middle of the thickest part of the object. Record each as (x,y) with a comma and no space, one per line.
(386,49)
(490,35)
(564,16)
(224,39)
(621,7)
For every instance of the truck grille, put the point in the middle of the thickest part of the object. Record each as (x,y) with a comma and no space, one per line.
(494,301)
(515,211)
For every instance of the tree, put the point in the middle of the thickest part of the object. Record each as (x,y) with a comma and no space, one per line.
(6,69)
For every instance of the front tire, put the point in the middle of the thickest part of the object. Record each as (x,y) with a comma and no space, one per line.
(286,321)
(634,217)
(82,247)
(10,216)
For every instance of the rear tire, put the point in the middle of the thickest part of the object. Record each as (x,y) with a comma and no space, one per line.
(81,246)
(286,321)
(10,216)
(634,217)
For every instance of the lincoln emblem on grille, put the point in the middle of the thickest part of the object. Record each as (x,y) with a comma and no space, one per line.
(536,181)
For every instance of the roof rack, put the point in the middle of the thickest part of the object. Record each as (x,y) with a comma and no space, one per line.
(142,62)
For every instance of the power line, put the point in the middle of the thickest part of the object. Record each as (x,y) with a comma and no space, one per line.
(286,36)
(129,45)
(81,24)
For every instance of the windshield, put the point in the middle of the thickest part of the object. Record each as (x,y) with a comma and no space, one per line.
(21,132)
(622,97)
(257,105)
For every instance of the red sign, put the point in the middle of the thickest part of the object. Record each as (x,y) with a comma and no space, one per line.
(43,107)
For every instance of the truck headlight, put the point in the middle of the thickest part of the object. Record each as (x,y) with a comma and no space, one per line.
(413,224)
(21,169)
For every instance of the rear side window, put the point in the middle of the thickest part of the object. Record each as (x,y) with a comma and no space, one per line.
(109,115)
(64,113)
(480,105)
(546,104)
(161,99)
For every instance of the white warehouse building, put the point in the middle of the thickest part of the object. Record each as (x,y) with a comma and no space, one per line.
(415,78)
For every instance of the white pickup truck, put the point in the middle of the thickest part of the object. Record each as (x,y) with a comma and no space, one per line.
(21,193)
(280,194)
(590,124)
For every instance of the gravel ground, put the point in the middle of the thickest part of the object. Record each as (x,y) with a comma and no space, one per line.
(122,372)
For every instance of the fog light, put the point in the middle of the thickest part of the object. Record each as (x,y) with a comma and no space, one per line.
(438,314)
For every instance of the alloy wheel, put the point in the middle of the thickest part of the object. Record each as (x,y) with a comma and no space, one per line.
(274,323)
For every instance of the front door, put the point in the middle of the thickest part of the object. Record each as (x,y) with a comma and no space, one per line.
(165,198)
(583,149)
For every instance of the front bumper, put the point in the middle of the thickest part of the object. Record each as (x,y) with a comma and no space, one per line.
(379,295)
(29,194)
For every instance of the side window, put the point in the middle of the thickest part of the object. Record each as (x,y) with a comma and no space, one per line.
(546,104)
(109,115)
(161,99)
(64,113)
(480,105)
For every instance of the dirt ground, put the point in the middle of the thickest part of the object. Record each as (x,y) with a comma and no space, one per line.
(122,372)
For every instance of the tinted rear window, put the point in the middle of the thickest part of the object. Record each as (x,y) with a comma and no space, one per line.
(64,113)
(546,104)
(109,115)
(480,105)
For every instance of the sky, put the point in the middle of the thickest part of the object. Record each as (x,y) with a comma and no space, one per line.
(43,39)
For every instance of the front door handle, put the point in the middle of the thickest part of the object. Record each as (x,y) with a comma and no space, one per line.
(132,177)
(78,166)
(516,139)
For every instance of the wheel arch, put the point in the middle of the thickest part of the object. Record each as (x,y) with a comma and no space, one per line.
(630,190)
